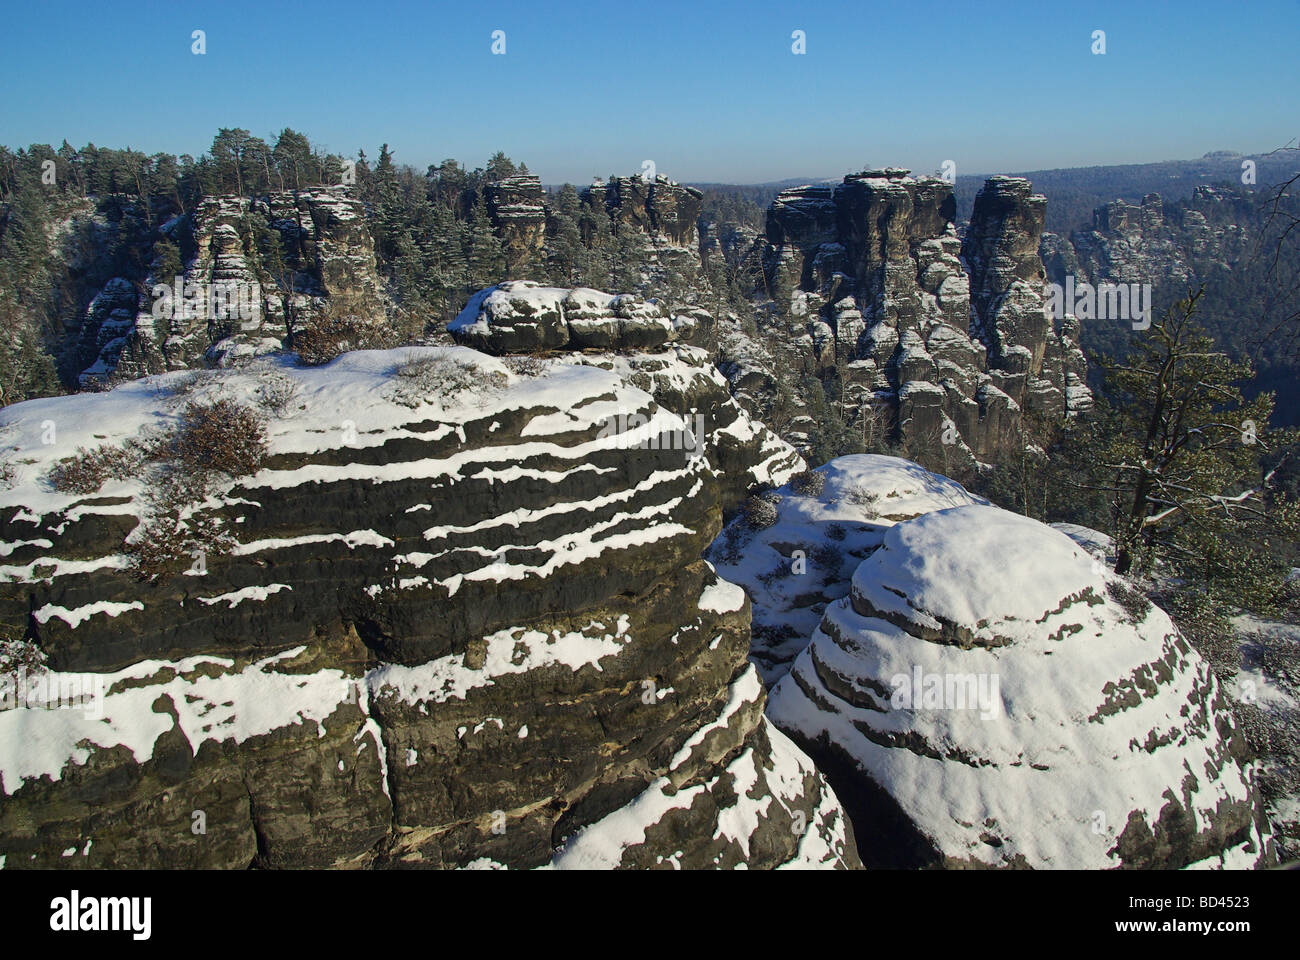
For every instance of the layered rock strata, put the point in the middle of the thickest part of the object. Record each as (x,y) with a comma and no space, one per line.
(455,630)
(985,693)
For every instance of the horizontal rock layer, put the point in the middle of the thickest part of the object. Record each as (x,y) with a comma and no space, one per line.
(462,632)
(986,694)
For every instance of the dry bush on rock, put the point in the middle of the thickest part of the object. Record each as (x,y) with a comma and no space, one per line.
(427,378)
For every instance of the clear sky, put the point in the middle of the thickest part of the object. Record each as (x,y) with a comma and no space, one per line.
(708,91)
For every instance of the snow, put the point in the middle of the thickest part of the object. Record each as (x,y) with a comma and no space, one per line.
(747,689)
(1078,733)
(344,403)
(235,706)
(514,650)
(74,618)
(237,597)
(944,571)
(862,497)
(722,597)
(604,844)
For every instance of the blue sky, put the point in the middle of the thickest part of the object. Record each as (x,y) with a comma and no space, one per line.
(708,91)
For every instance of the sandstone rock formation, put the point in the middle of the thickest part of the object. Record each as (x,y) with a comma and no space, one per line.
(522,316)
(986,693)
(1032,357)
(658,207)
(328,265)
(517,208)
(1174,250)
(525,317)
(940,341)
(822,526)
(458,630)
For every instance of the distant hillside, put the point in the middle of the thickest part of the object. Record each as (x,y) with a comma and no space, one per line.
(1073,193)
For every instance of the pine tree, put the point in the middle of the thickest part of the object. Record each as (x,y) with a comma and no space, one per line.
(1178,452)
(629,258)
(565,254)
(448,274)
(485,260)
(598,235)
(390,225)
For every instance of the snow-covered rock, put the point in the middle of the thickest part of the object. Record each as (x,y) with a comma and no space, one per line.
(826,523)
(453,629)
(522,316)
(939,341)
(988,693)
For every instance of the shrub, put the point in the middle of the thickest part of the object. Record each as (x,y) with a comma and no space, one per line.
(1205,625)
(865,500)
(88,470)
(172,534)
(183,384)
(861,496)
(7,475)
(18,655)
(810,483)
(826,557)
(220,437)
(759,512)
(422,378)
(165,544)
(277,393)
(1130,597)
(527,365)
(330,336)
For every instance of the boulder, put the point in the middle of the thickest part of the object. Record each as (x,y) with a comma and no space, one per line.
(988,694)
(458,627)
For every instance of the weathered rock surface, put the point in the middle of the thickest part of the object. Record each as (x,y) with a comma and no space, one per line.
(658,207)
(1032,357)
(822,526)
(467,631)
(328,266)
(522,316)
(941,343)
(1174,250)
(986,693)
(517,208)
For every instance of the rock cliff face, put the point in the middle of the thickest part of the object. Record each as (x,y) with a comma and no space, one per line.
(1032,357)
(940,341)
(983,692)
(328,264)
(525,317)
(821,528)
(455,630)
(1174,250)
(658,207)
(517,209)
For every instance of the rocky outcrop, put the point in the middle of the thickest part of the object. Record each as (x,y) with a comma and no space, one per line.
(516,207)
(985,693)
(1174,250)
(822,525)
(456,629)
(522,316)
(1032,357)
(940,342)
(658,207)
(233,298)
